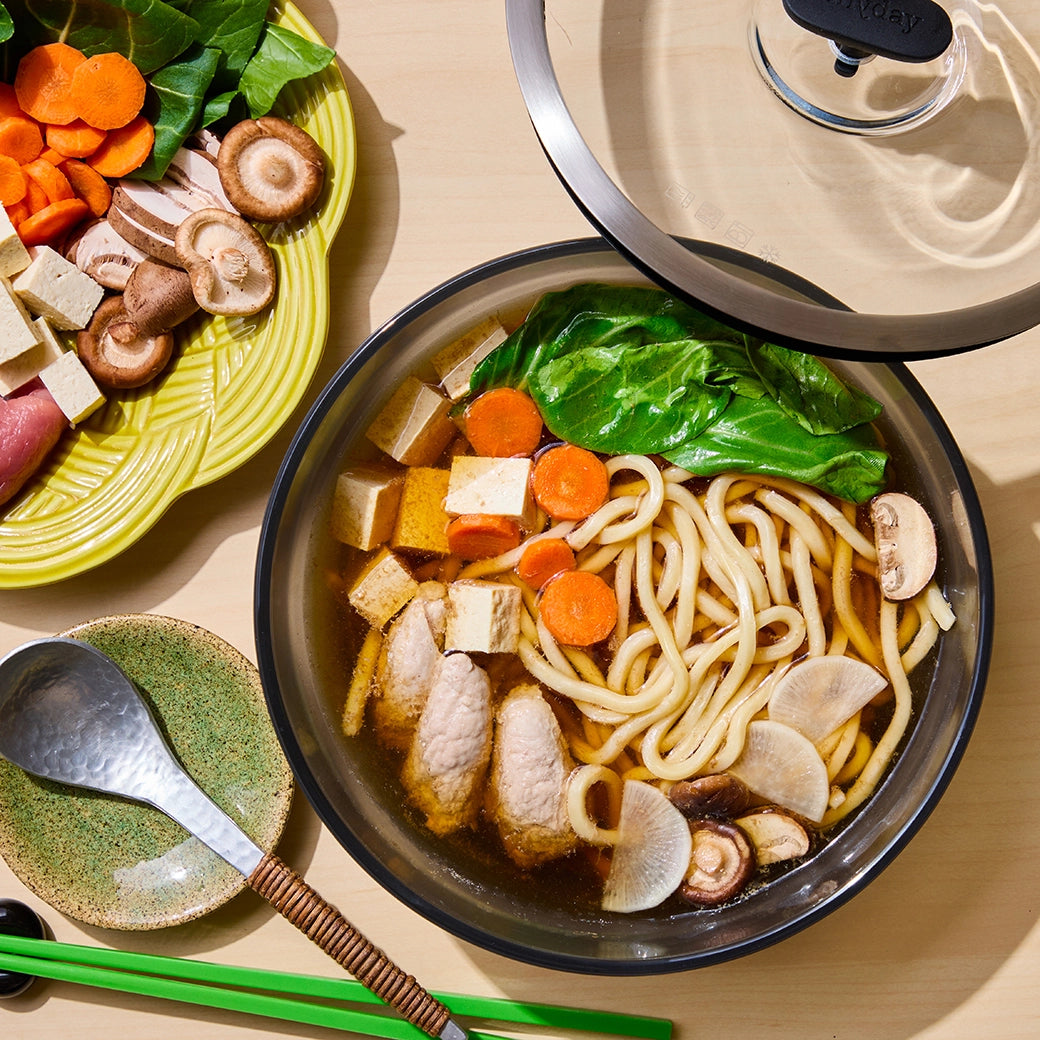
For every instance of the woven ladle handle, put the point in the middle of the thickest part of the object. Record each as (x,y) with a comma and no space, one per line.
(322,923)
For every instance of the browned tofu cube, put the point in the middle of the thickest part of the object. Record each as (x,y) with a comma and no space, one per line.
(421,519)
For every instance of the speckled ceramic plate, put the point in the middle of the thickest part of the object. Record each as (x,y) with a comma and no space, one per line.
(118,864)
(233,384)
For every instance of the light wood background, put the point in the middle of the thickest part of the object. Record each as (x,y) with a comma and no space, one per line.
(944,945)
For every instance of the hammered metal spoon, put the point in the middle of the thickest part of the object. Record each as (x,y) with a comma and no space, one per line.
(69,713)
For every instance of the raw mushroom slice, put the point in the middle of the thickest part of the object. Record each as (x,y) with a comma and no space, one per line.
(905,541)
(270,168)
(158,297)
(819,694)
(231,267)
(652,853)
(722,862)
(781,765)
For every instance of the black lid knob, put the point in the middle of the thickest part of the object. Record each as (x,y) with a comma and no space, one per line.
(18,919)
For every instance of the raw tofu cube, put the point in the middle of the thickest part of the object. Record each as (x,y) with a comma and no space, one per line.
(57,289)
(483,616)
(501,487)
(17,333)
(14,257)
(414,427)
(18,371)
(455,363)
(72,387)
(364,506)
(383,588)
(422,522)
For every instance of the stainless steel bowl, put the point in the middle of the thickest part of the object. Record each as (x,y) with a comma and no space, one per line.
(465,892)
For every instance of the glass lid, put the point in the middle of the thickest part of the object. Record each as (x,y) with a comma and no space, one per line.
(884,152)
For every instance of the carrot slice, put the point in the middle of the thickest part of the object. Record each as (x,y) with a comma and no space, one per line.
(52,222)
(9,102)
(502,423)
(35,196)
(17,213)
(569,483)
(107,90)
(13,182)
(75,140)
(54,183)
(578,608)
(124,149)
(542,559)
(20,138)
(43,80)
(89,185)
(478,536)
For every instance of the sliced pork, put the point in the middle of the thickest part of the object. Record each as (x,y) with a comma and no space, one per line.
(530,767)
(30,425)
(408,666)
(447,763)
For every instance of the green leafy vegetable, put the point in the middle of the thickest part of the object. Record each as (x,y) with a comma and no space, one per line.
(621,369)
(281,57)
(6,25)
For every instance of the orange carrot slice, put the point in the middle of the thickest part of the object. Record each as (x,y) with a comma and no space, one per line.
(569,483)
(75,140)
(124,149)
(542,559)
(107,90)
(13,182)
(89,185)
(52,222)
(478,536)
(54,183)
(502,423)
(20,138)
(578,608)
(43,81)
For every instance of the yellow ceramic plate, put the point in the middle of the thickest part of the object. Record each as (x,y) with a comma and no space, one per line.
(233,384)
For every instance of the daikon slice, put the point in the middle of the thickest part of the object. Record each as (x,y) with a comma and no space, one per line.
(819,694)
(652,853)
(781,765)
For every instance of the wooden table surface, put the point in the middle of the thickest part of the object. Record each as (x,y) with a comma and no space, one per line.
(944,944)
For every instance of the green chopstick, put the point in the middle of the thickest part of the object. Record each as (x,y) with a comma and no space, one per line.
(206,982)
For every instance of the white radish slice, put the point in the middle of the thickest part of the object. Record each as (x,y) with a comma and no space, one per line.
(652,853)
(819,694)
(781,765)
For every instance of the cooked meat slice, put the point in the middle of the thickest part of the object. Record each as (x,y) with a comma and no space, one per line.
(447,762)
(408,666)
(530,766)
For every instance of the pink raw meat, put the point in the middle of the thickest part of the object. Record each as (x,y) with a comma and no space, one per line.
(30,425)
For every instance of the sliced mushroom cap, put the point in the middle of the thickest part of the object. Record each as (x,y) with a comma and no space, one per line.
(270,168)
(230,265)
(116,353)
(158,297)
(722,862)
(717,794)
(905,542)
(777,835)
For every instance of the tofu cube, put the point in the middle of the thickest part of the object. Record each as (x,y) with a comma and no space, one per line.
(18,371)
(422,522)
(57,289)
(455,363)
(14,257)
(17,333)
(414,427)
(501,487)
(382,589)
(72,387)
(364,506)
(483,617)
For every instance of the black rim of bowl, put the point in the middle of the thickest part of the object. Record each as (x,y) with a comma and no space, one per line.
(326,812)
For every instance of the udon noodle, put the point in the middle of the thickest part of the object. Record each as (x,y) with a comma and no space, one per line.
(722,585)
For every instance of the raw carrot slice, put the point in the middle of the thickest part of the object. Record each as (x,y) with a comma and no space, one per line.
(124,149)
(478,536)
(54,183)
(20,138)
(17,213)
(35,196)
(107,90)
(9,102)
(43,80)
(578,608)
(89,185)
(569,483)
(75,140)
(52,222)
(502,423)
(542,559)
(13,182)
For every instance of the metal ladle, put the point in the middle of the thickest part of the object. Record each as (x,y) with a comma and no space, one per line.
(69,713)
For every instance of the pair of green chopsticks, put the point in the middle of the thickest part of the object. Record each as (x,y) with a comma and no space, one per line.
(254,991)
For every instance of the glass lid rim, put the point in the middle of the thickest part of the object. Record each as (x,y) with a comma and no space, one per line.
(665,259)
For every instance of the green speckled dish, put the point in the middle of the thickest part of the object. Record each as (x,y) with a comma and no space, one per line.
(117,864)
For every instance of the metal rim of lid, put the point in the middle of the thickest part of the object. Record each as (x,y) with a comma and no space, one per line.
(749,306)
